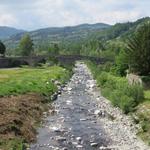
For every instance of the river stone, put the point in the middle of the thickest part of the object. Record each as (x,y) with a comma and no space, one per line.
(78,138)
(60,139)
(79,146)
(69,102)
(97,112)
(55,129)
(69,89)
(120,132)
(94,144)
(65,148)
(83,119)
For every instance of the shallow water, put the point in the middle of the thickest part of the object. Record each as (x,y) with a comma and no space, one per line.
(74,125)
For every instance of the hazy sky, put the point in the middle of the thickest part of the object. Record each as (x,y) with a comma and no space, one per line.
(33,14)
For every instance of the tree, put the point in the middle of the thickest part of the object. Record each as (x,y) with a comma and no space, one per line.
(26,45)
(138,50)
(2,49)
(54,49)
(121,63)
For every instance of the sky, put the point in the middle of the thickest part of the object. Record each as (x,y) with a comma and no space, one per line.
(34,14)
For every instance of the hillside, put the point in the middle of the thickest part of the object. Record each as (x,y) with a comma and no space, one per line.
(57,34)
(120,30)
(6,32)
(72,38)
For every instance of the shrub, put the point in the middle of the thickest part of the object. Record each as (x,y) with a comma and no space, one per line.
(136,92)
(106,92)
(127,104)
(102,79)
(115,97)
(120,100)
(118,90)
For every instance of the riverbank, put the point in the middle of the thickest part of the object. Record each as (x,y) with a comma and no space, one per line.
(84,119)
(25,94)
(133,100)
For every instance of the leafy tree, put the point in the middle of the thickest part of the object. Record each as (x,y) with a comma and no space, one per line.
(121,63)
(2,49)
(54,49)
(138,50)
(26,45)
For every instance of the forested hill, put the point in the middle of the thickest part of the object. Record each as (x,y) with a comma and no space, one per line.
(6,32)
(61,33)
(71,39)
(120,30)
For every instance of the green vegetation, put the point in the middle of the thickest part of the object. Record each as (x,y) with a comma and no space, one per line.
(133,99)
(117,89)
(26,46)
(14,144)
(138,50)
(125,44)
(24,94)
(6,32)
(93,40)
(68,36)
(23,80)
(54,49)
(2,49)
(130,50)
(143,118)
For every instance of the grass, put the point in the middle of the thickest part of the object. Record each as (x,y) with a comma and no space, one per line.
(24,80)
(16,144)
(23,97)
(147,95)
(143,114)
(133,99)
(117,89)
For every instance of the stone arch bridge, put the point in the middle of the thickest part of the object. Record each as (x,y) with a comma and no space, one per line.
(9,62)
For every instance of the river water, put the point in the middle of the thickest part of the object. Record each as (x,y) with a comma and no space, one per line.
(74,124)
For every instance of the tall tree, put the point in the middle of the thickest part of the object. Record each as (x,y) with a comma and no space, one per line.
(54,49)
(2,49)
(26,45)
(138,50)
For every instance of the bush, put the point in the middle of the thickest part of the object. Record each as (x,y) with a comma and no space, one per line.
(136,92)
(126,104)
(102,79)
(118,90)
(115,97)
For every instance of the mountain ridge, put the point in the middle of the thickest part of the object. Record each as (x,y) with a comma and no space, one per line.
(6,31)
(76,35)
(67,33)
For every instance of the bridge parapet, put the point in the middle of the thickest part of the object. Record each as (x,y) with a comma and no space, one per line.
(9,62)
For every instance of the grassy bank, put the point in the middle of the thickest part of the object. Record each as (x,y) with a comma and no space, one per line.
(131,99)
(20,81)
(143,117)
(24,94)
(116,88)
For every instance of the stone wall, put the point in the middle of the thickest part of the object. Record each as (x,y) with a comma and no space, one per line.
(19,61)
(9,62)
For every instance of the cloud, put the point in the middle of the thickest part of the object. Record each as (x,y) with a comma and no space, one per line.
(7,19)
(33,14)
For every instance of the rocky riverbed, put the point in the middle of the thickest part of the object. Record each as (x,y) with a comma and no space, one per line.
(84,120)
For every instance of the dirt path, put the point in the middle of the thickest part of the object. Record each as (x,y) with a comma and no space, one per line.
(85,120)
